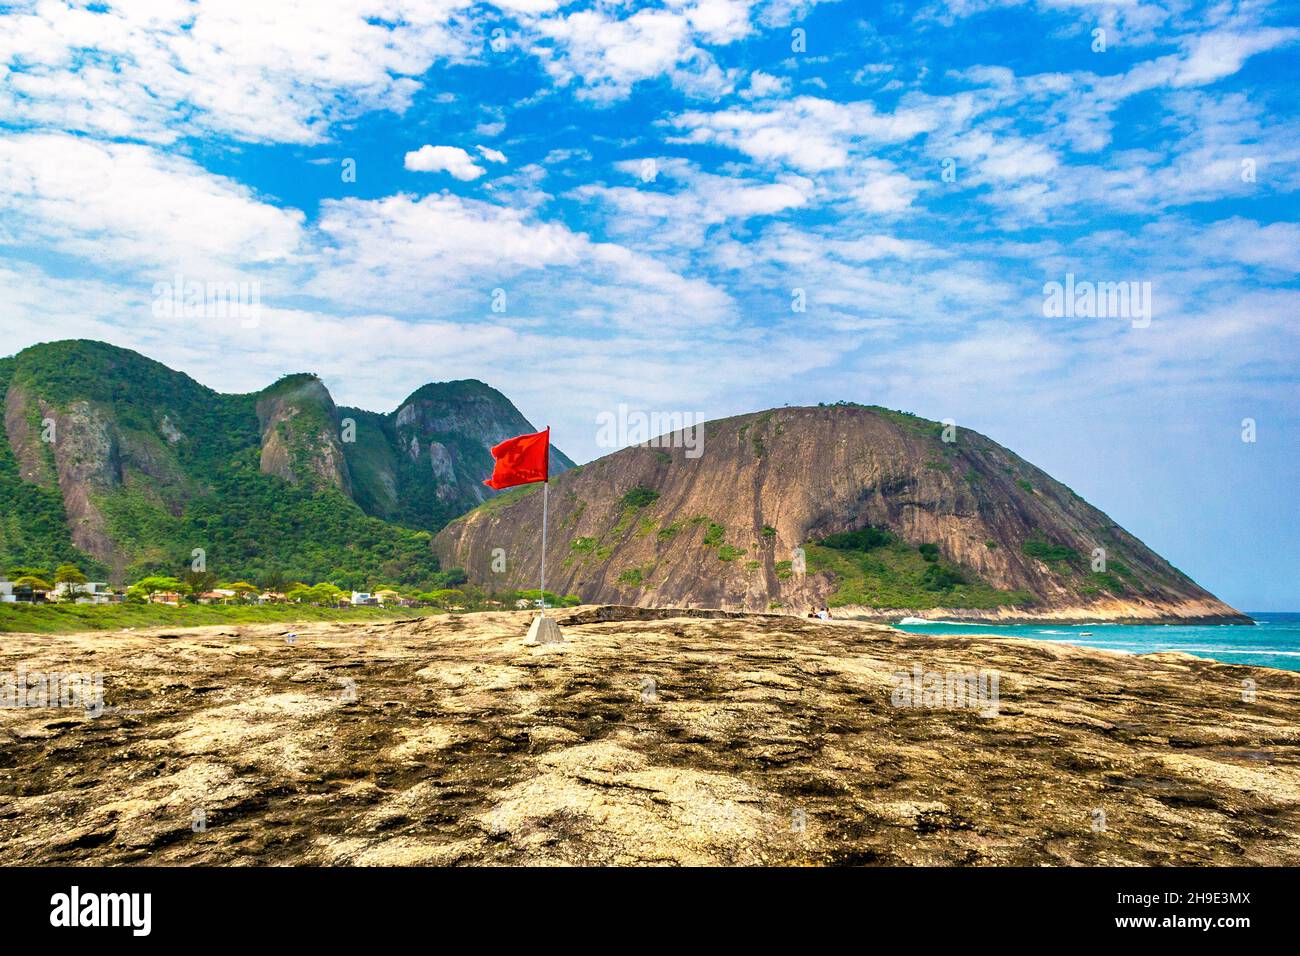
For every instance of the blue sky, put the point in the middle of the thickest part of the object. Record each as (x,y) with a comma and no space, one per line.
(649,184)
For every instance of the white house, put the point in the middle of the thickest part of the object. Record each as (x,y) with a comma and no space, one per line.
(92,592)
(364,597)
(7,592)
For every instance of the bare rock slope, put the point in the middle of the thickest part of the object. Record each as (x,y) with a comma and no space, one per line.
(645,738)
(972,529)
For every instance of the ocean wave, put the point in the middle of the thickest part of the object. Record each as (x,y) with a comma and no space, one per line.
(1259,652)
(919,621)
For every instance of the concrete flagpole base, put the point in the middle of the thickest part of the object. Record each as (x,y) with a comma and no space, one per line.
(543,631)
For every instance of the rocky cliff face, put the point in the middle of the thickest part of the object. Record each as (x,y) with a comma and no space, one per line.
(73,449)
(425,463)
(80,450)
(762,520)
(301,439)
(117,463)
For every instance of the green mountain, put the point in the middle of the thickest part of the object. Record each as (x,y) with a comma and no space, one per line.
(424,464)
(119,464)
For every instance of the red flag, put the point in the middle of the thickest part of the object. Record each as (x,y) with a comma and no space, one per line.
(521,460)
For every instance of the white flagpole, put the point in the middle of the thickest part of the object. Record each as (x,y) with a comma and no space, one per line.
(546,488)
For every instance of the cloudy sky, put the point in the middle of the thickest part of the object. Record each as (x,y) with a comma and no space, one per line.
(712,206)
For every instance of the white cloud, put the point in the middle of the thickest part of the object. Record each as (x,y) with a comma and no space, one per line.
(764,85)
(271,71)
(808,133)
(885,190)
(1212,56)
(129,204)
(609,54)
(653,216)
(718,21)
(444,159)
(455,251)
(491,155)
(1273,246)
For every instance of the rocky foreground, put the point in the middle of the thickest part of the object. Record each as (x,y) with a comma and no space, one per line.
(643,739)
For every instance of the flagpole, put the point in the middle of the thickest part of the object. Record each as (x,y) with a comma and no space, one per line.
(546,488)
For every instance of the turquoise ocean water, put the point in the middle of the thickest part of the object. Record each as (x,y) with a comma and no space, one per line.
(1274,640)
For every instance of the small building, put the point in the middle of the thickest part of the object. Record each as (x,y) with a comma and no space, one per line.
(364,598)
(165,597)
(387,596)
(12,592)
(270,597)
(67,588)
(91,592)
(217,596)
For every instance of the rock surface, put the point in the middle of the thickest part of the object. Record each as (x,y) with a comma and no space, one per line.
(645,738)
(659,526)
(424,463)
(300,435)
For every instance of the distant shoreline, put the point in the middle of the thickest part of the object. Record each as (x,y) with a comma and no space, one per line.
(1012,616)
(1273,642)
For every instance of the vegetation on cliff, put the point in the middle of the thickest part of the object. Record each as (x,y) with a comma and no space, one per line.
(873,568)
(273,482)
(33,521)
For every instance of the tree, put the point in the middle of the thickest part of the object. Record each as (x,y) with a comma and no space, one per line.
(70,575)
(199,581)
(25,572)
(275,581)
(242,589)
(533,595)
(447,597)
(452,577)
(35,583)
(325,595)
(150,585)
